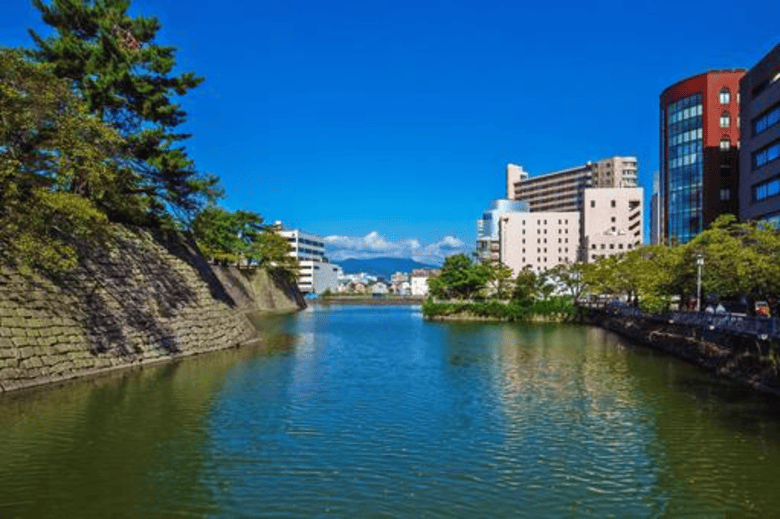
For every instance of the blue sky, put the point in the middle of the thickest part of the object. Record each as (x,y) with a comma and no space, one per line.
(388,125)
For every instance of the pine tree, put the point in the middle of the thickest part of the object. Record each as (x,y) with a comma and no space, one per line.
(127,80)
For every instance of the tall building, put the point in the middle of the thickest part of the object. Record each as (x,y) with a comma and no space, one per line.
(759,158)
(700,133)
(656,235)
(562,190)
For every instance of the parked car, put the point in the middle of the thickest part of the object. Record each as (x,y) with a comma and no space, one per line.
(762,309)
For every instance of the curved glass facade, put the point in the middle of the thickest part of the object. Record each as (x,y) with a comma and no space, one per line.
(685,167)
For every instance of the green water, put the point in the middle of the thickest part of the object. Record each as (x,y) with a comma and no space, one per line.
(373,412)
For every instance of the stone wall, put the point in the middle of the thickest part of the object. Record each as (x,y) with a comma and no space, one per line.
(147,298)
(740,358)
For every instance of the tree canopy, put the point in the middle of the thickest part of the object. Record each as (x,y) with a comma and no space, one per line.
(126,80)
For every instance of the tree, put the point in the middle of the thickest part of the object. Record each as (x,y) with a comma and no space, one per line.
(55,166)
(459,278)
(525,287)
(127,80)
(499,280)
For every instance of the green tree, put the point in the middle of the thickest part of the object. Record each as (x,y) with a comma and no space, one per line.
(459,278)
(499,283)
(525,287)
(55,165)
(127,80)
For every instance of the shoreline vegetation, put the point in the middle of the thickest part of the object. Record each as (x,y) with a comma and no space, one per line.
(554,309)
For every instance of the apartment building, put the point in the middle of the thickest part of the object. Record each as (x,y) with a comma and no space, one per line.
(759,158)
(561,191)
(612,222)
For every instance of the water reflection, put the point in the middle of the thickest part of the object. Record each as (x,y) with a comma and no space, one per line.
(371,411)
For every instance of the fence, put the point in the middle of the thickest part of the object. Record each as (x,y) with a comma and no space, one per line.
(762,328)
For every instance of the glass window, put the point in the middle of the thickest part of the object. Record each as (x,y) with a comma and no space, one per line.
(725,145)
(725,120)
(725,96)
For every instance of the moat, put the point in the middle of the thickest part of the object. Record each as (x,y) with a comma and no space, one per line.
(371,411)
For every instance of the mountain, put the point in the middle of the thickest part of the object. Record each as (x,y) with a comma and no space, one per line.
(381,267)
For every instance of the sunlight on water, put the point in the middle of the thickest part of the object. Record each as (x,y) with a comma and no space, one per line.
(371,411)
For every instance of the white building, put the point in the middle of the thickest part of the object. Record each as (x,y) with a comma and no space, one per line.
(419,281)
(538,241)
(613,222)
(316,274)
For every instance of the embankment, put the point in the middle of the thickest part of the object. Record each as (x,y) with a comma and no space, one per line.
(739,357)
(150,297)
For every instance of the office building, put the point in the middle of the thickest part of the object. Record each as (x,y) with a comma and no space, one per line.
(700,134)
(316,274)
(759,157)
(561,191)
(656,235)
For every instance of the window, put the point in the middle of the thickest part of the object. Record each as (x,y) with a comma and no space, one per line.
(725,120)
(593,203)
(611,245)
(593,246)
(620,245)
(612,219)
(766,154)
(766,121)
(725,96)
(603,246)
(725,194)
(725,145)
(768,189)
(613,204)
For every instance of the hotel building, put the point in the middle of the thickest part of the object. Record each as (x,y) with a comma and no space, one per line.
(700,132)
(759,159)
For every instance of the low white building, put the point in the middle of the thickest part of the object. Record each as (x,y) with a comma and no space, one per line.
(419,281)
(316,274)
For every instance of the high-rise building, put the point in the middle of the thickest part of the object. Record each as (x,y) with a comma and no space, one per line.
(656,235)
(538,241)
(759,157)
(700,133)
(562,190)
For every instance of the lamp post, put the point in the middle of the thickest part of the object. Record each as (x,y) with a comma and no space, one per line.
(700,264)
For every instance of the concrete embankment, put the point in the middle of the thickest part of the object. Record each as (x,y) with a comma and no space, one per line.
(742,358)
(147,298)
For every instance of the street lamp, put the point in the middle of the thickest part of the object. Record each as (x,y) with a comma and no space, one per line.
(700,264)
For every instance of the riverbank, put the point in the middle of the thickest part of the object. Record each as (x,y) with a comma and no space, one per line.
(748,360)
(148,298)
(367,300)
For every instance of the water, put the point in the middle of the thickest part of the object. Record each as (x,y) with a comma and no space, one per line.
(373,412)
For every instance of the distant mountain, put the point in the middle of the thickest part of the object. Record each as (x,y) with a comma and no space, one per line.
(381,267)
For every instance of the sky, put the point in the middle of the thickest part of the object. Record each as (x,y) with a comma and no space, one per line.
(386,127)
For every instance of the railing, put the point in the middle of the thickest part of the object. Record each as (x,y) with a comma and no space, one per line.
(759,327)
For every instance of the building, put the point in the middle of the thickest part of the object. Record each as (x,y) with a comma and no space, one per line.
(561,191)
(316,274)
(655,211)
(700,132)
(538,241)
(759,157)
(419,281)
(488,227)
(612,222)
